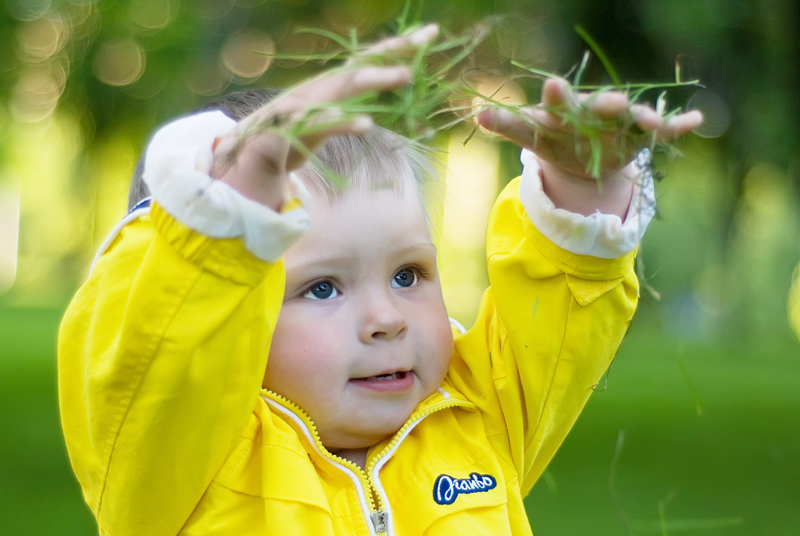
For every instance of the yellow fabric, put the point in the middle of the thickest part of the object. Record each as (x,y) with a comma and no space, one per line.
(163,350)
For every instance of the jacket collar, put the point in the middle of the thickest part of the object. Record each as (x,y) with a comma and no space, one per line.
(444,397)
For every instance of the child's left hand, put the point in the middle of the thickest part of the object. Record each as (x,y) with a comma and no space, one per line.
(564,151)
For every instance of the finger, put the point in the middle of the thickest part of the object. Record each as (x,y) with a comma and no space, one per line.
(680,124)
(399,45)
(374,79)
(347,83)
(605,104)
(333,87)
(645,117)
(556,92)
(306,132)
(328,122)
(519,129)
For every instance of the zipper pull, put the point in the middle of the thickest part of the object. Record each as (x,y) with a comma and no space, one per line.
(380,520)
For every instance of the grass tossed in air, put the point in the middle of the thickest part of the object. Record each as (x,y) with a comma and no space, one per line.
(442,97)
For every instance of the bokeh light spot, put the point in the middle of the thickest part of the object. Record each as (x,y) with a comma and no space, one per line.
(716,114)
(491,88)
(524,38)
(345,17)
(36,95)
(300,45)
(41,38)
(207,78)
(119,62)
(498,88)
(248,54)
(27,9)
(152,14)
(212,9)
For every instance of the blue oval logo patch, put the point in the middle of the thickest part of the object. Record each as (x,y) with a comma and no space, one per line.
(446,489)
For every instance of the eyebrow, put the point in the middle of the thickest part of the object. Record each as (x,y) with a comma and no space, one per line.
(333,260)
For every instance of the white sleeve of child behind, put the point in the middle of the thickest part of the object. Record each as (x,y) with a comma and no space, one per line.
(598,235)
(177,172)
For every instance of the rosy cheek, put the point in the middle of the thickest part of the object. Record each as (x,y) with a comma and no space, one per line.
(282,362)
(447,346)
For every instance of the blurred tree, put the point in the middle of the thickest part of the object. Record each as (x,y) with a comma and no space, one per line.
(117,69)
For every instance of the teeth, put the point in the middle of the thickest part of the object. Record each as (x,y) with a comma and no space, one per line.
(386,377)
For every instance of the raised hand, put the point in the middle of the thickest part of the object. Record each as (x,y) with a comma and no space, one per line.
(620,129)
(256,158)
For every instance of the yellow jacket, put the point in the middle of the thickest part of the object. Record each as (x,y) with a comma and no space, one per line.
(162,355)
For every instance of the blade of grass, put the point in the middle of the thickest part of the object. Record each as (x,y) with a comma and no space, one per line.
(333,36)
(581,67)
(698,403)
(612,482)
(600,55)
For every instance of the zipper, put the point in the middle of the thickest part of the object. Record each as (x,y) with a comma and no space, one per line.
(371,487)
(380,518)
(324,452)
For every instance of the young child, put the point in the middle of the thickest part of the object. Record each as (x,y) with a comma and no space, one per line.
(265,352)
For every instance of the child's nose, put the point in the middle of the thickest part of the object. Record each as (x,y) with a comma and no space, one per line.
(382,319)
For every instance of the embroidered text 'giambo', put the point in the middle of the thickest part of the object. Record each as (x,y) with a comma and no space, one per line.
(446,488)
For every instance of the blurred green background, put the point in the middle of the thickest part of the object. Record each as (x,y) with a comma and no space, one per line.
(697,429)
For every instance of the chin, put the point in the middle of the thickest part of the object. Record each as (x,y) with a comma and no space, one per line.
(361,438)
(360,441)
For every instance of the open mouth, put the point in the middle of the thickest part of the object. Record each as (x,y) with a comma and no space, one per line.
(398,381)
(401,375)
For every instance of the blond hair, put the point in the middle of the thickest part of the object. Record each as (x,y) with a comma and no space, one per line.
(377,159)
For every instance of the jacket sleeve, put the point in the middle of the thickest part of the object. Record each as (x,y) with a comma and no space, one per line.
(161,357)
(550,324)
(162,352)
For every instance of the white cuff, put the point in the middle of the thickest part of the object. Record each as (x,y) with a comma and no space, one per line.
(598,235)
(177,172)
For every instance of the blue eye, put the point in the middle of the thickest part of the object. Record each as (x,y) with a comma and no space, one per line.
(404,278)
(321,290)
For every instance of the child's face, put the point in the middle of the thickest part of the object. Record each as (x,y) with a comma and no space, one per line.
(363,335)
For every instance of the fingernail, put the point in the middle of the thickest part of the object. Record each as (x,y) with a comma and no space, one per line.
(404,74)
(426,33)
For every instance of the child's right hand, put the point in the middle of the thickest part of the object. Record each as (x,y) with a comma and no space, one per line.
(259,169)
(563,150)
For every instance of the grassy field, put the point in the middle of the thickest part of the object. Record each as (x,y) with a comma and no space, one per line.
(710,445)
(710,442)
(39,494)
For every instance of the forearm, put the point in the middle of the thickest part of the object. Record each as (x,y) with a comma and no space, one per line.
(251,174)
(609,195)
(178,169)
(597,234)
